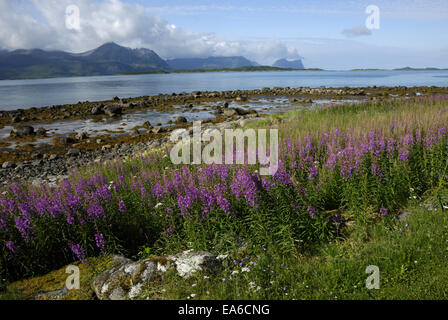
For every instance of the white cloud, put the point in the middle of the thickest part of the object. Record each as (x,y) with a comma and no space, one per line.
(124,23)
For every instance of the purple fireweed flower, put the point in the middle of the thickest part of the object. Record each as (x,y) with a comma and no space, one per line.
(185,203)
(168,231)
(99,240)
(121,181)
(54,208)
(70,220)
(313,172)
(3,225)
(158,191)
(23,225)
(10,245)
(311,210)
(121,206)
(244,184)
(282,176)
(78,250)
(24,209)
(403,155)
(266,184)
(95,211)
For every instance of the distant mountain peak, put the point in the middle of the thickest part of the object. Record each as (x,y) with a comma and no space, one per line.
(109,58)
(287,63)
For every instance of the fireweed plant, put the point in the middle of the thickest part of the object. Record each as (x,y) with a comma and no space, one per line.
(358,158)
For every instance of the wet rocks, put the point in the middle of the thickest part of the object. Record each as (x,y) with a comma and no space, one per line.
(8,164)
(73,152)
(147,125)
(41,132)
(229,112)
(241,98)
(81,136)
(65,140)
(22,131)
(113,111)
(158,129)
(180,119)
(97,110)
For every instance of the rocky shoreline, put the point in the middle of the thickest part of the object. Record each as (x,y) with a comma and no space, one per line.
(49,163)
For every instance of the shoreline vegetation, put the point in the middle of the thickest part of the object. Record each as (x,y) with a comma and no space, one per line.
(240,69)
(269,68)
(358,184)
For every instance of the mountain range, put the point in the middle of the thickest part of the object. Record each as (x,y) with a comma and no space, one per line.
(108,59)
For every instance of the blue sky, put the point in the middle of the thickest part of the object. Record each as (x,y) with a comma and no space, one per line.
(330,34)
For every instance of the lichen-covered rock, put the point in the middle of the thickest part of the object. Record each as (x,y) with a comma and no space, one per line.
(127,278)
(189,262)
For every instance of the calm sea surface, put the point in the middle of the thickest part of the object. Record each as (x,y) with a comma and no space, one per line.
(16,94)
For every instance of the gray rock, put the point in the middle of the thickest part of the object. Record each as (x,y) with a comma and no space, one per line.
(127,279)
(189,262)
(147,125)
(8,164)
(81,136)
(66,140)
(403,216)
(229,112)
(180,119)
(41,131)
(158,129)
(73,152)
(96,110)
(22,131)
(113,111)
(52,295)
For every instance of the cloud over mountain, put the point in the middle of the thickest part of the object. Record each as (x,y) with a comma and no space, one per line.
(42,24)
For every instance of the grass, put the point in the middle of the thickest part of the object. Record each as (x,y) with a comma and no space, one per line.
(411,256)
(310,235)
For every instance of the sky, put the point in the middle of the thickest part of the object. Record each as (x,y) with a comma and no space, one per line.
(329,34)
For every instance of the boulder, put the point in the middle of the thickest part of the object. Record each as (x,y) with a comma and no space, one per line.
(96,110)
(158,129)
(147,125)
(127,279)
(189,262)
(81,136)
(113,111)
(180,119)
(22,131)
(66,140)
(41,132)
(8,164)
(73,152)
(229,112)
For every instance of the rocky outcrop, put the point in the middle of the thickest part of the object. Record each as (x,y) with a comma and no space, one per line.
(128,279)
